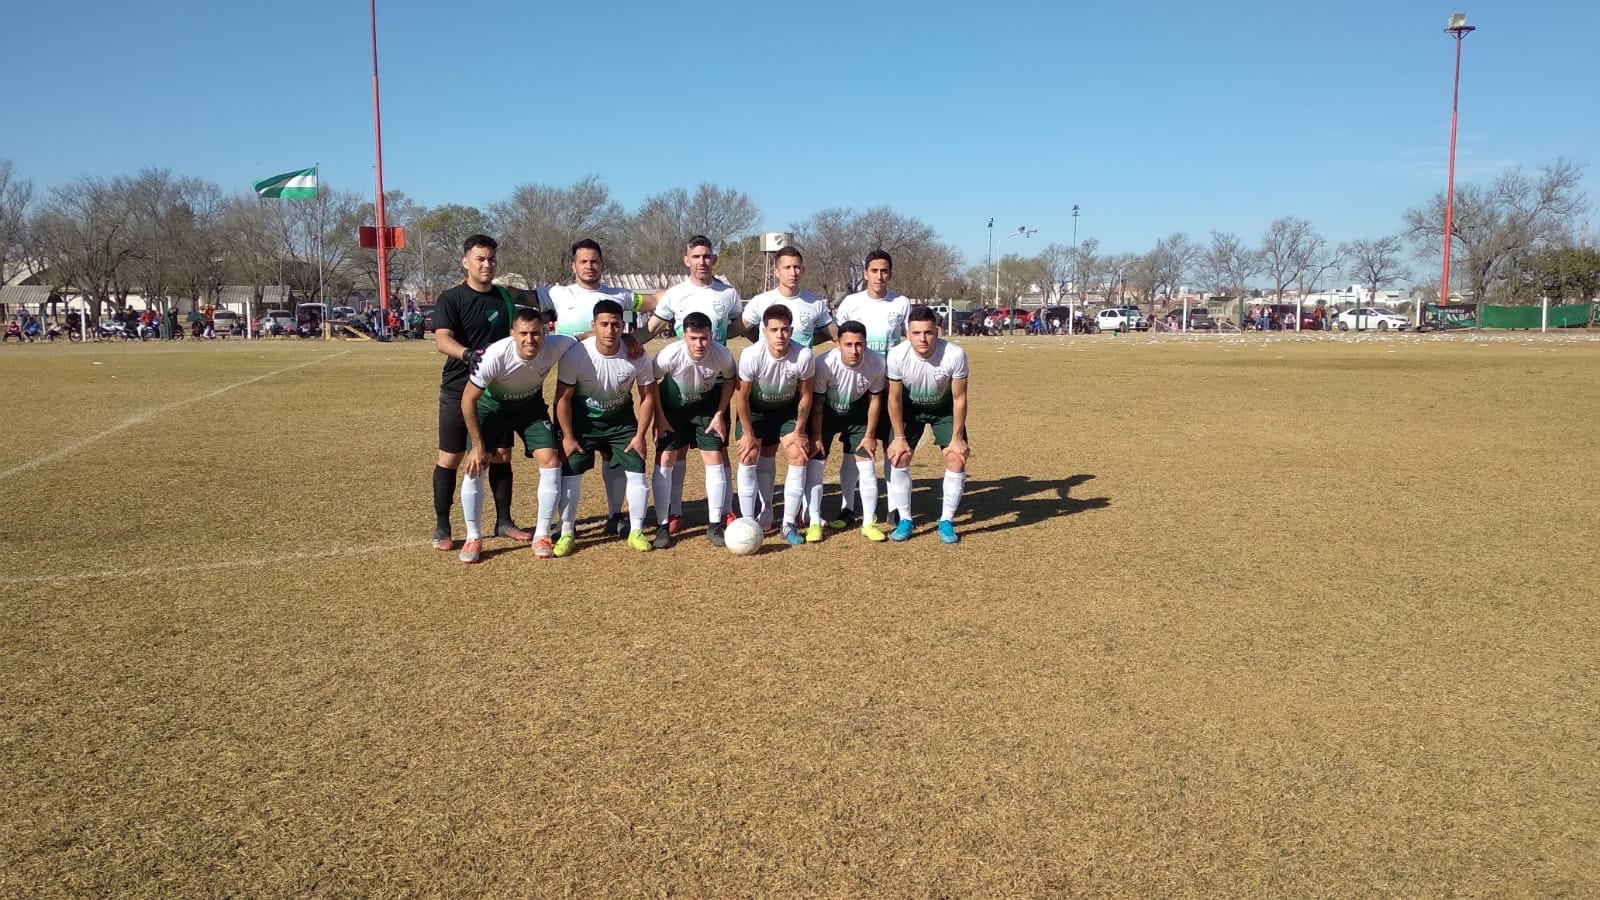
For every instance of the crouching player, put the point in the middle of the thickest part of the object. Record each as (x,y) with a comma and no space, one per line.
(849,388)
(927,386)
(695,379)
(504,398)
(773,402)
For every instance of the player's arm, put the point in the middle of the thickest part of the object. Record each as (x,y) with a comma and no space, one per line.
(816,408)
(719,420)
(802,419)
(569,443)
(478,455)
(899,451)
(654,327)
(958,417)
(444,341)
(649,402)
(830,333)
(874,416)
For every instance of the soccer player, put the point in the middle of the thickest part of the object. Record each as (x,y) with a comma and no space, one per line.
(695,379)
(884,313)
(504,397)
(773,402)
(467,318)
(810,311)
(598,377)
(849,386)
(927,386)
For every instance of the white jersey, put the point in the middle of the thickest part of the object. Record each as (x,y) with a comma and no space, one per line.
(719,301)
(775,383)
(810,313)
(687,382)
(885,319)
(603,385)
(508,379)
(844,386)
(573,304)
(926,382)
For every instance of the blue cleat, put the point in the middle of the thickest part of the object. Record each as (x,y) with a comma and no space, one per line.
(947,532)
(902,531)
(794,537)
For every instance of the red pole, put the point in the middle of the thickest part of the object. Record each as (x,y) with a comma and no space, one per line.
(377,133)
(1450,189)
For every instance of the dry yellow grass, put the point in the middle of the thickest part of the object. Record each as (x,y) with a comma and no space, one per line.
(1230,617)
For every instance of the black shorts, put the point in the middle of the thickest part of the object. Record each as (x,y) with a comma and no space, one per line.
(453,428)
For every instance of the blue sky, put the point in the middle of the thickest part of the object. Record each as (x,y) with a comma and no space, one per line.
(1154,117)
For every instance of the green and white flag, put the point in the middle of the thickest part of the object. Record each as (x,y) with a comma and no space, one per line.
(301,185)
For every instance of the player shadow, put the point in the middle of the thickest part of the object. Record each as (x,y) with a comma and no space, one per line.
(1011,502)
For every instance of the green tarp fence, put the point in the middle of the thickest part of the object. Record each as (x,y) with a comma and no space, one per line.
(1531,316)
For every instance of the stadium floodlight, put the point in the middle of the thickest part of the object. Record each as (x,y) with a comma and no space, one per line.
(1458,29)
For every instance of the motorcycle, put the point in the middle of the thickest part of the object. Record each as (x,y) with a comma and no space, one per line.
(114,330)
(149,331)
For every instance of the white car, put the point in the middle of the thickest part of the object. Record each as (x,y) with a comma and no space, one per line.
(277,321)
(1367,317)
(1118,318)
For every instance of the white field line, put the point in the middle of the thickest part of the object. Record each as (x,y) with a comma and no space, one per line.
(146,416)
(219,565)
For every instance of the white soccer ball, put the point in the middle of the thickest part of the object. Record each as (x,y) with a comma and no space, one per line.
(743,537)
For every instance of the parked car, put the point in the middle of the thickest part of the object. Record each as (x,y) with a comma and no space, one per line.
(276,321)
(343,314)
(1367,317)
(1119,318)
(1199,318)
(225,322)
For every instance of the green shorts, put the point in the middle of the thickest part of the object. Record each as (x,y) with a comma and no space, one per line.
(598,437)
(917,422)
(768,425)
(501,427)
(689,430)
(852,431)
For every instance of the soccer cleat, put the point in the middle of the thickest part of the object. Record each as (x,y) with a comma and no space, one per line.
(663,537)
(510,530)
(794,538)
(728,519)
(814,533)
(542,548)
(714,535)
(847,519)
(638,541)
(902,530)
(617,524)
(470,551)
(674,524)
(871,532)
(565,544)
(442,540)
(947,532)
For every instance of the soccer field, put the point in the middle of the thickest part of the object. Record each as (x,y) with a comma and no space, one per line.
(1272,615)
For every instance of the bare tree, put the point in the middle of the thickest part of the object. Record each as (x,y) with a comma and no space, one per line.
(1287,247)
(1117,270)
(1378,263)
(1175,258)
(836,242)
(1493,224)
(439,235)
(88,232)
(539,222)
(1227,265)
(657,233)
(16,195)
(1055,267)
(178,236)
(1086,267)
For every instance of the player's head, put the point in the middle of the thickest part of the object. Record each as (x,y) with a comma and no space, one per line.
(879,268)
(607,325)
(527,331)
(478,260)
(852,342)
(588,264)
(777,324)
(922,329)
(699,258)
(788,266)
(697,334)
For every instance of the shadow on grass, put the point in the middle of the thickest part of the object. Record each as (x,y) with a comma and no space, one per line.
(1012,502)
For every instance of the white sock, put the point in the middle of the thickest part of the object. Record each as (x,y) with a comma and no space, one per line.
(766,482)
(661,484)
(794,487)
(716,492)
(953,484)
(814,472)
(677,490)
(747,491)
(638,499)
(616,486)
(868,475)
(571,490)
(900,491)
(549,499)
(847,481)
(472,505)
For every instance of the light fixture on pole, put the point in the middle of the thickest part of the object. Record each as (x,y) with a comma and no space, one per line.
(1011,316)
(1458,29)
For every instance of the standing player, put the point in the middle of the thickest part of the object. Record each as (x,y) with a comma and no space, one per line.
(849,385)
(773,400)
(700,292)
(505,397)
(810,311)
(927,386)
(598,377)
(467,318)
(695,380)
(884,313)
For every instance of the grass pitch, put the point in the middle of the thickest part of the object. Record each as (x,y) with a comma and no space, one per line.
(1259,616)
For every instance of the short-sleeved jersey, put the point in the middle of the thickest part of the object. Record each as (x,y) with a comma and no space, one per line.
(574,304)
(693,385)
(719,301)
(885,319)
(775,383)
(475,320)
(603,385)
(508,380)
(810,313)
(926,382)
(848,391)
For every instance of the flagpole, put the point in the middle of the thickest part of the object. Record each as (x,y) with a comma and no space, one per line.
(377,134)
(322,296)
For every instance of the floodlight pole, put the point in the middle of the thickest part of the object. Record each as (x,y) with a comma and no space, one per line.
(1074,298)
(1458,29)
(377,135)
(1011,320)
